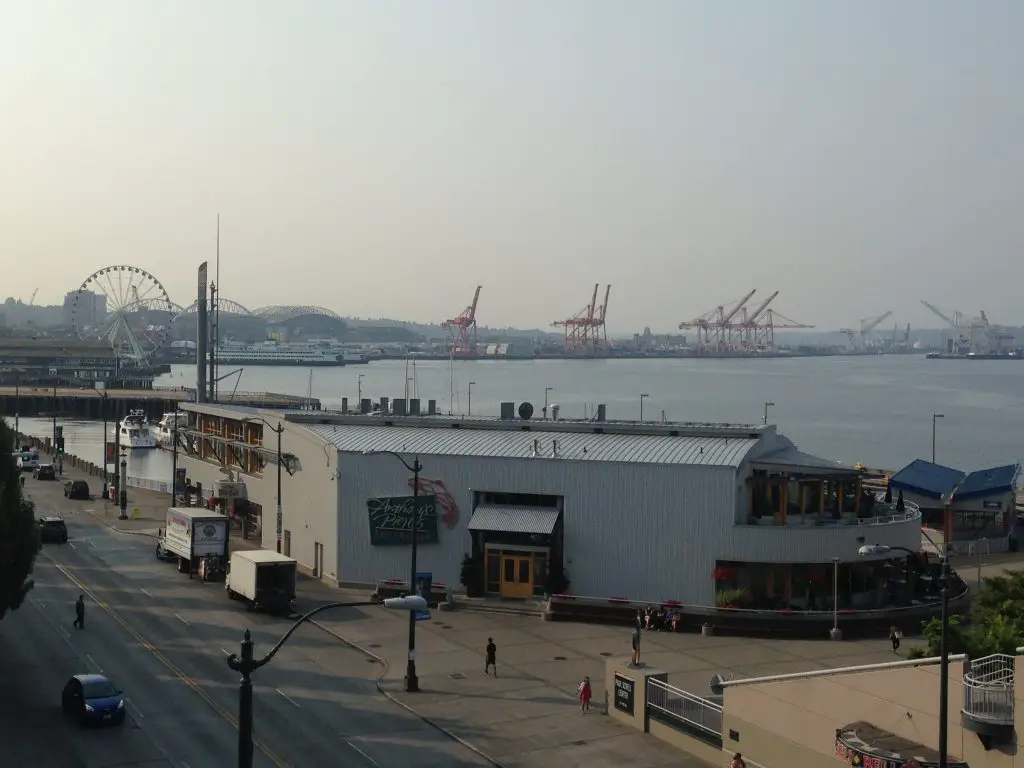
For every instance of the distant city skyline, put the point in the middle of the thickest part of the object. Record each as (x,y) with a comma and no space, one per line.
(384,159)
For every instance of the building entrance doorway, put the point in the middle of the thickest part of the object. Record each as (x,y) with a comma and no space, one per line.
(516,576)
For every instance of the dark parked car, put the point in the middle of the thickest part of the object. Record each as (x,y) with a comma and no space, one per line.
(77,489)
(53,529)
(93,699)
(44,472)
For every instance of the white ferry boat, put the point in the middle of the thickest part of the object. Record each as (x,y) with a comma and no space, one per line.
(303,355)
(135,431)
(346,354)
(164,430)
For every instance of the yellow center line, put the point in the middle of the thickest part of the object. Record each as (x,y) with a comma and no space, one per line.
(170,665)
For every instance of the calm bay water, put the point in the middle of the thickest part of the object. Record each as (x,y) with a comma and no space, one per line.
(877,410)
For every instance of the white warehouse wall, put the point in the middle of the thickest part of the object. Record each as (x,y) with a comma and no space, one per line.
(636,530)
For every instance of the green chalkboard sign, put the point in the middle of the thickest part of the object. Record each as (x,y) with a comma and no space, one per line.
(391,520)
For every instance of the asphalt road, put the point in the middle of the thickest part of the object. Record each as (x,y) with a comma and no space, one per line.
(164,639)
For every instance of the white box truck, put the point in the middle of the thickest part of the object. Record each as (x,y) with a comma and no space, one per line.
(265,580)
(193,534)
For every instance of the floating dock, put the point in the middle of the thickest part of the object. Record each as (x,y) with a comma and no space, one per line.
(85,403)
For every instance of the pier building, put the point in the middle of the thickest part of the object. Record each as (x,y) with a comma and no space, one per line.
(680,513)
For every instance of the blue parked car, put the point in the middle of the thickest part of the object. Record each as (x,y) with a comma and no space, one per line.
(93,699)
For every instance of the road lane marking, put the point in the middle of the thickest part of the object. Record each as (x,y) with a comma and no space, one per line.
(66,633)
(145,592)
(225,651)
(179,618)
(357,749)
(168,664)
(92,661)
(91,543)
(287,698)
(71,544)
(131,704)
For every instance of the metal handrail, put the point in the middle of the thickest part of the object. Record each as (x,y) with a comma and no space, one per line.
(989,690)
(681,705)
(912,512)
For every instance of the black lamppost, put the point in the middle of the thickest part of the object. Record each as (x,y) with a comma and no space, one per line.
(123,488)
(412,682)
(881,549)
(17,409)
(246,664)
(174,462)
(935,418)
(280,461)
(101,389)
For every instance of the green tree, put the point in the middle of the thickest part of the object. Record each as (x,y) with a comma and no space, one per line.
(996,623)
(19,535)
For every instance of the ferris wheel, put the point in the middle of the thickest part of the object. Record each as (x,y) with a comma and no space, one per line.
(126,307)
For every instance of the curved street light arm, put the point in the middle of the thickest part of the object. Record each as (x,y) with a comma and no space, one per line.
(236,663)
(414,467)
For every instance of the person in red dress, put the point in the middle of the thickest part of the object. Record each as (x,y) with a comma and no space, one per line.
(584,692)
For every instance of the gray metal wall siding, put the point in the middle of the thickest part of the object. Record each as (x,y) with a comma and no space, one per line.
(637,531)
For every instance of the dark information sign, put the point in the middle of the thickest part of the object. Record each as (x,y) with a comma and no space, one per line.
(391,520)
(625,693)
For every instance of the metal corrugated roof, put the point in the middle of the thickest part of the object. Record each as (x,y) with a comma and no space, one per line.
(506,518)
(989,481)
(571,446)
(927,479)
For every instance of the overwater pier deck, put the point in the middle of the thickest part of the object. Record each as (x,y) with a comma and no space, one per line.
(85,403)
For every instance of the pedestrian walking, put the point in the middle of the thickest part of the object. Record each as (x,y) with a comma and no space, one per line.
(492,656)
(584,692)
(895,637)
(79,622)
(738,761)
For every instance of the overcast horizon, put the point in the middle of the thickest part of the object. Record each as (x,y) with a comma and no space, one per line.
(383,159)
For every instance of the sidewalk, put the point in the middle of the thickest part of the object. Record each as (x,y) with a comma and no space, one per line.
(529,717)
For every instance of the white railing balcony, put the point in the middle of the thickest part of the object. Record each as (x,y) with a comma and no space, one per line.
(818,540)
(988,690)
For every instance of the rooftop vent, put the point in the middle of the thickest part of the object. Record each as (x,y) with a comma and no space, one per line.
(414,406)
(398,406)
(602,412)
(384,403)
(554,412)
(525,411)
(508,411)
(344,405)
(431,407)
(365,406)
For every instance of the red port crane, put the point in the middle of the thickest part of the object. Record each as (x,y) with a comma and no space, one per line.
(585,332)
(462,328)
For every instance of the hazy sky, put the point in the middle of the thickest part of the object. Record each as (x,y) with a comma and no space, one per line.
(383,158)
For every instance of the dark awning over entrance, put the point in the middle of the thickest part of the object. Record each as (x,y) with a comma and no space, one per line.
(502,518)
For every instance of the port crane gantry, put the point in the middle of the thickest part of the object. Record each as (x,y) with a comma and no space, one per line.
(586,332)
(719,331)
(975,336)
(462,328)
(859,337)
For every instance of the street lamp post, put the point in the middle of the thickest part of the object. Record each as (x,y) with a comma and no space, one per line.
(102,390)
(17,410)
(546,391)
(881,549)
(835,634)
(766,407)
(469,401)
(174,462)
(359,387)
(123,488)
(246,664)
(280,461)
(935,418)
(643,396)
(412,682)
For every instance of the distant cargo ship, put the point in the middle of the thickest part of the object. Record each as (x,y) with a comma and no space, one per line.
(1014,355)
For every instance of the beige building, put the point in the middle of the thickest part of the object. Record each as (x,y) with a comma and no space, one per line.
(879,716)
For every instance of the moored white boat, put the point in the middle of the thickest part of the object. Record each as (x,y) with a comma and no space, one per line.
(164,430)
(136,432)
